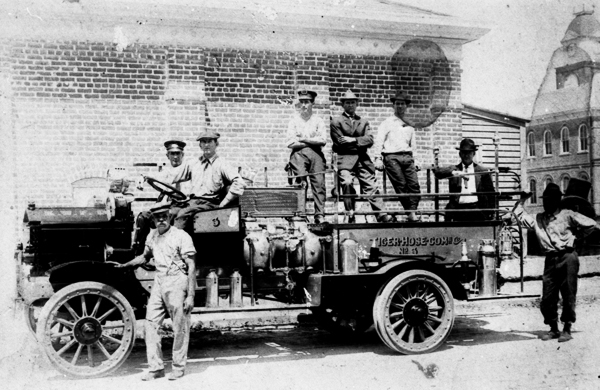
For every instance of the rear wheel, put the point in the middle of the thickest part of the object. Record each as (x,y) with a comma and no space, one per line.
(87,329)
(414,312)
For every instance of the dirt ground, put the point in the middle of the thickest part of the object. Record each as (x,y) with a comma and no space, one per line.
(493,345)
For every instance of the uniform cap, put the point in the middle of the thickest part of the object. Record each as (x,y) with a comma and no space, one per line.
(208,134)
(307,94)
(401,95)
(174,145)
(468,145)
(348,95)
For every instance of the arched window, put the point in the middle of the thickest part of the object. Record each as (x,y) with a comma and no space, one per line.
(547,143)
(533,190)
(564,183)
(530,145)
(583,138)
(564,140)
(547,181)
(584,176)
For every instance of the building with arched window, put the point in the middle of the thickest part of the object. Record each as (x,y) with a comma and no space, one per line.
(561,134)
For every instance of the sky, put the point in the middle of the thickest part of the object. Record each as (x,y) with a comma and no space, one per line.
(508,64)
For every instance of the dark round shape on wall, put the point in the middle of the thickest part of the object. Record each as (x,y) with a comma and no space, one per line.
(423,72)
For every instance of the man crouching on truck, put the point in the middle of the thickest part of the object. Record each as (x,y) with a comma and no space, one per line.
(555,229)
(173,291)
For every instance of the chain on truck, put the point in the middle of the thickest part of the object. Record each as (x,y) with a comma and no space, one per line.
(400,277)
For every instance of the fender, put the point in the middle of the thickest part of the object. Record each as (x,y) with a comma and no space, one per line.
(123,280)
(394,267)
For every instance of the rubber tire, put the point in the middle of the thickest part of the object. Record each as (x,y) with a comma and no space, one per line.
(442,297)
(46,321)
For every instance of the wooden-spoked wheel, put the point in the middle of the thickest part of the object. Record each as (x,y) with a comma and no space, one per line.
(87,329)
(414,312)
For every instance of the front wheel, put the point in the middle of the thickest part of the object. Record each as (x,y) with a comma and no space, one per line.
(87,329)
(414,312)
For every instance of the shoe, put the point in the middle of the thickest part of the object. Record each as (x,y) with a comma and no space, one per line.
(176,374)
(151,375)
(552,334)
(385,218)
(318,219)
(564,336)
(351,219)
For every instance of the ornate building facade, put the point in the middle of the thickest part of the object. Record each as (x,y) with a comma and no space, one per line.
(561,139)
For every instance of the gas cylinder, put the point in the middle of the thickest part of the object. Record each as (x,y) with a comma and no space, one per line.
(349,257)
(235,293)
(487,263)
(212,289)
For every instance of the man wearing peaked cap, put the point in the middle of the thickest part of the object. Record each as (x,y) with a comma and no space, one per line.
(144,221)
(557,230)
(306,135)
(215,183)
(393,150)
(351,136)
(467,178)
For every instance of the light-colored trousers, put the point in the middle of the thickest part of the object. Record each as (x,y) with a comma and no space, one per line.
(167,296)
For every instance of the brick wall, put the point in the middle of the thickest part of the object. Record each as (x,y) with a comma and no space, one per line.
(80,108)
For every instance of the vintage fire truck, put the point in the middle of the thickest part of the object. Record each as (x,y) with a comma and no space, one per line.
(400,277)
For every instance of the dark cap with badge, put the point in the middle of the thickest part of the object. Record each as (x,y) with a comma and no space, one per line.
(467,145)
(307,94)
(401,95)
(174,145)
(208,134)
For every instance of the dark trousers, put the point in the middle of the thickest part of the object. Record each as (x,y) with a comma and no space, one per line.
(183,215)
(454,212)
(560,275)
(365,174)
(400,168)
(308,160)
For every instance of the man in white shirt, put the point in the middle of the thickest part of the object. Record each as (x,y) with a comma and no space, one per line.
(172,292)
(215,183)
(393,149)
(467,178)
(306,135)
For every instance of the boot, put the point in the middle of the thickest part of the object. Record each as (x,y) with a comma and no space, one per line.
(565,335)
(553,333)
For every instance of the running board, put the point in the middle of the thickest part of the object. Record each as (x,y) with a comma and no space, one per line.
(502,296)
(256,308)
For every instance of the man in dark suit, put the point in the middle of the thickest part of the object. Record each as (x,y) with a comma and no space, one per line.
(467,178)
(351,136)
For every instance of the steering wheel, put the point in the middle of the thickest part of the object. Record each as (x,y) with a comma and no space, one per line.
(166,189)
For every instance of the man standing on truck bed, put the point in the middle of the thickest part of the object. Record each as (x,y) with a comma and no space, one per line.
(556,231)
(393,149)
(172,292)
(351,136)
(306,135)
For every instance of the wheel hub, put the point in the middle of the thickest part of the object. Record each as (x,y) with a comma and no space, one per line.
(416,312)
(87,330)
